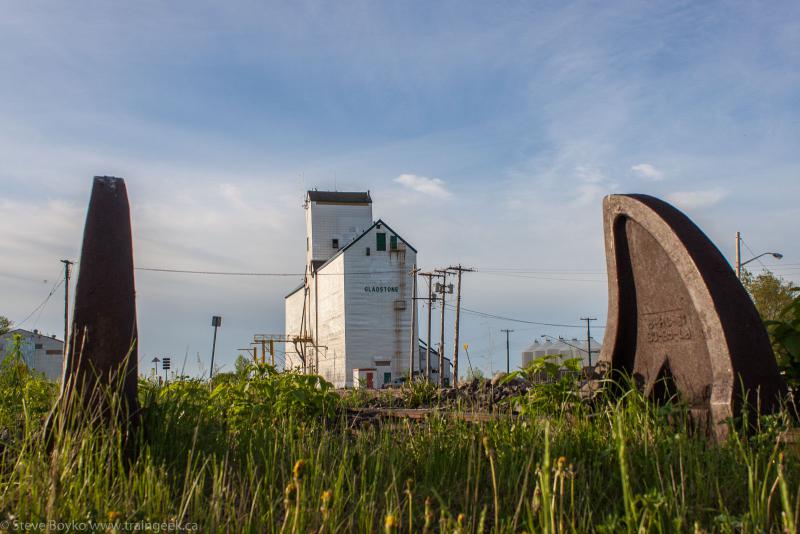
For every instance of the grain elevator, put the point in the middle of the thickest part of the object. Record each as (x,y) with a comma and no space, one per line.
(354,307)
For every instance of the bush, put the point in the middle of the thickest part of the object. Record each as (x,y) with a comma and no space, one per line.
(785,334)
(25,395)
(556,383)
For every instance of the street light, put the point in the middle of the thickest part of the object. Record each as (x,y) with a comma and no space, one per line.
(216,322)
(740,263)
(776,255)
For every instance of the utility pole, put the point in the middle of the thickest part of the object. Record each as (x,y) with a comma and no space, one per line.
(589,336)
(443,274)
(67,265)
(430,277)
(458,270)
(739,255)
(508,352)
(413,349)
(272,351)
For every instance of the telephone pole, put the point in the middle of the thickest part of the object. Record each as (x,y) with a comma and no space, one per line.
(739,255)
(443,273)
(508,352)
(458,270)
(67,265)
(589,336)
(413,349)
(430,277)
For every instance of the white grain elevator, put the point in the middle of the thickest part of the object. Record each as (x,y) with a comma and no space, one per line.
(355,300)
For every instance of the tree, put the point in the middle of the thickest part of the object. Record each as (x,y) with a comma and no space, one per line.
(5,325)
(778,303)
(242,366)
(785,334)
(770,294)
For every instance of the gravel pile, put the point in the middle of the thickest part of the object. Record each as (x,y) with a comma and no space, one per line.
(484,393)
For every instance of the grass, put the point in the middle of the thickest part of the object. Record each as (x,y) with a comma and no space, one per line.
(274,452)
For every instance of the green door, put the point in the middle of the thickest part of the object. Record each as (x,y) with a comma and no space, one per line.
(393,242)
(380,241)
(387,378)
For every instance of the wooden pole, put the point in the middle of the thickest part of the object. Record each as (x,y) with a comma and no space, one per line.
(455,338)
(67,265)
(429,276)
(459,270)
(441,333)
(412,350)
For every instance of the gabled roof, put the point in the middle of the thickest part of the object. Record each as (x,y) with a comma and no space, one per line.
(29,333)
(295,290)
(424,347)
(345,197)
(365,232)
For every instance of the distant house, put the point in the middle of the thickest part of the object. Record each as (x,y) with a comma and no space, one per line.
(568,348)
(41,353)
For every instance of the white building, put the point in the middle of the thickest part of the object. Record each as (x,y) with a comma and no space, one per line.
(568,348)
(41,353)
(353,309)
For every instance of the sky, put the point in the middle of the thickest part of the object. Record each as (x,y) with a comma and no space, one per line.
(487,133)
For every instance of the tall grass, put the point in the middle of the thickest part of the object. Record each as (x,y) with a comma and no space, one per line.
(274,453)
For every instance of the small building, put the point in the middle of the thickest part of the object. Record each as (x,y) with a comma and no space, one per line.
(379,377)
(419,369)
(41,353)
(353,307)
(567,348)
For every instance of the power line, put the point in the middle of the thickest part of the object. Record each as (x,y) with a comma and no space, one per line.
(503,318)
(512,272)
(42,304)
(23,278)
(543,271)
(467,310)
(515,275)
(231,273)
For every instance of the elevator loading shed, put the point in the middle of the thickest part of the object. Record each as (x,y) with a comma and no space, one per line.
(353,309)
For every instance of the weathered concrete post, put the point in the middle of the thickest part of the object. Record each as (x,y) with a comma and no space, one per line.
(102,349)
(678,316)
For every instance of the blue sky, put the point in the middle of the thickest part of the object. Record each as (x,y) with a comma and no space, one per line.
(487,132)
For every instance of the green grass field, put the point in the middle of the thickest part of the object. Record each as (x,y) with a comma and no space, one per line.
(269,452)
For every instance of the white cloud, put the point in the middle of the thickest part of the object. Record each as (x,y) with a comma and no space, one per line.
(590,175)
(429,186)
(594,185)
(648,171)
(697,199)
